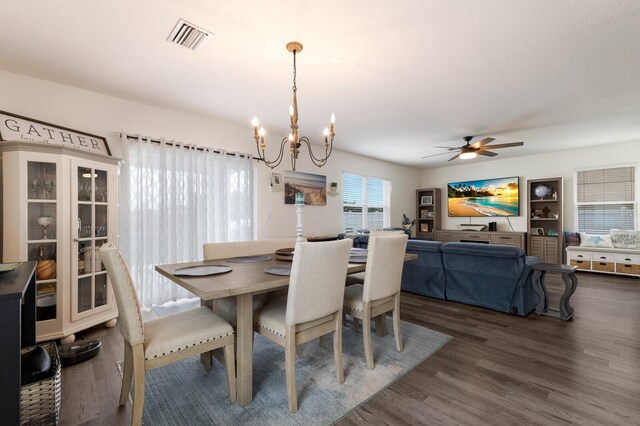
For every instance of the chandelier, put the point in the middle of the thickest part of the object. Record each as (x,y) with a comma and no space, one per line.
(295,141)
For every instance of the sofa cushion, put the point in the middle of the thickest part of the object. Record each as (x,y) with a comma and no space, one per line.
(488,250)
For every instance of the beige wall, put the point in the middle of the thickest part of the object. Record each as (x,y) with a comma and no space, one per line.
(106,115)
(554,164)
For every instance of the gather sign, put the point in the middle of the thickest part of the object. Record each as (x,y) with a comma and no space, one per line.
(18,128)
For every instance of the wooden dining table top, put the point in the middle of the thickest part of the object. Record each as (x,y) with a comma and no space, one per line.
(243,278)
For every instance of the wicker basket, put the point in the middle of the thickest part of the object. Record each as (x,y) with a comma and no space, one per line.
(40,401)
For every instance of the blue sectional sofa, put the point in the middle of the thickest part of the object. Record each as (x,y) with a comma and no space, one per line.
(425,275)
(493,276)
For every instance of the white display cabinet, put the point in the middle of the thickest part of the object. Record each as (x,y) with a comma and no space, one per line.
(59,205)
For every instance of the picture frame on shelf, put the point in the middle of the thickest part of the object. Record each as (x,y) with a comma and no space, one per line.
(426,200)
(424,227)
(537,231)
(424,214)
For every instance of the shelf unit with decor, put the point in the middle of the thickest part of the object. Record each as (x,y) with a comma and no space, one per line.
(59,207)
(544,222)
(428,211)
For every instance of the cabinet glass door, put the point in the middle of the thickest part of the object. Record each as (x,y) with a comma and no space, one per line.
(92,212)
(42,243)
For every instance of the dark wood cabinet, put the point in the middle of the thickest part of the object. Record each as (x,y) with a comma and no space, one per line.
(428,211)
(544,202)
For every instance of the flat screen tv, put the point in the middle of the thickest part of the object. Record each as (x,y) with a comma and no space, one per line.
(489,197)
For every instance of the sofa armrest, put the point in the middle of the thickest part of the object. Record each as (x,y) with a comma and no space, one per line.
(527,270)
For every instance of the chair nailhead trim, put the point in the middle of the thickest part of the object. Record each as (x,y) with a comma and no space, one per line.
(270,329)
(192,345)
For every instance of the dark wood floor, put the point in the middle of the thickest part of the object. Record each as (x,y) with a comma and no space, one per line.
(498,369)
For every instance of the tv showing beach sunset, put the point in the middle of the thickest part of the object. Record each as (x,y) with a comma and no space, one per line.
(490,197)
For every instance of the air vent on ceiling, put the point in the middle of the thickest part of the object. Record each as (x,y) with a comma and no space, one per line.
(188,35)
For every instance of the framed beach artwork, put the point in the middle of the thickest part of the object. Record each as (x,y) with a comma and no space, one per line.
(484,198)
(314,188)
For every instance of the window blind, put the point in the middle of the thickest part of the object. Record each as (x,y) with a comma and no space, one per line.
(606,199)
(364,201)
(606,185)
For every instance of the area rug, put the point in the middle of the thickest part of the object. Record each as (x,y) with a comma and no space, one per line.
(184,394)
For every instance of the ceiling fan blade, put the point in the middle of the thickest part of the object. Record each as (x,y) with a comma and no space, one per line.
(435,155)
(487,153)
(450,148)
(505,145)
(482,142)
(455,156)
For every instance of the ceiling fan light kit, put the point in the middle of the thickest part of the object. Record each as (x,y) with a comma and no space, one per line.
(468,155)
(294,140)
(472,150)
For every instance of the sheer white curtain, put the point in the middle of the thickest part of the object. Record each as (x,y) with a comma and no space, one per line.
(174,198)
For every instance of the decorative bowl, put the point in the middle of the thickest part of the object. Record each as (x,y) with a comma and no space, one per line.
(285,253)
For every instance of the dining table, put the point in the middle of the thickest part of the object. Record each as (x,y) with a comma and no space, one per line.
(243,281)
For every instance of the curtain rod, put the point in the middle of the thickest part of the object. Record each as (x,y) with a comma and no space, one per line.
(217,151)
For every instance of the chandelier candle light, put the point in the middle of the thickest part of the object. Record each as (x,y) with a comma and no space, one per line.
(294,140)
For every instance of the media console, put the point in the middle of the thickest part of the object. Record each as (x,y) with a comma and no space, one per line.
(516,239)
(18,319)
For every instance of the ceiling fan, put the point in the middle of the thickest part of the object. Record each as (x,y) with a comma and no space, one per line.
(470,150)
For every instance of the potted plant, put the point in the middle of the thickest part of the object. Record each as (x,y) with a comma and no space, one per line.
(333,187)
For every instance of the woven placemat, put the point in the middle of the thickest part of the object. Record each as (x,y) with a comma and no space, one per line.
(278,270)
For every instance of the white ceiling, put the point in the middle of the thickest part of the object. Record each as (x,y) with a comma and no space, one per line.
(401,76)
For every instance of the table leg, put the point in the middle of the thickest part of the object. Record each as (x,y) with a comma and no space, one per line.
(541,290)
(205,358)
(570,285)
(244,348)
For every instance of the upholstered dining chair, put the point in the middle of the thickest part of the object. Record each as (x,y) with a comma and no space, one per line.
(226,307)
(358,277)
(164,340)
(380,292)
(312,308)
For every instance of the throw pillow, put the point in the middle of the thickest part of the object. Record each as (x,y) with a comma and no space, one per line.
(571,238)
(625,239)
(593,240)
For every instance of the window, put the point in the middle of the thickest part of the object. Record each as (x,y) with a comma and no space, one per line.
(606,199)
(365,202)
